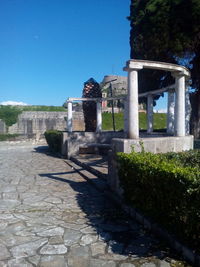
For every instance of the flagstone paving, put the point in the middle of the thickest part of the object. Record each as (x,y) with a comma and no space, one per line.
(51,216)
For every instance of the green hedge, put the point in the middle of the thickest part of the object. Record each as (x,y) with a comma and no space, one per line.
(9,114)
(54,140)
(5,137)
(165,190)
(189,158)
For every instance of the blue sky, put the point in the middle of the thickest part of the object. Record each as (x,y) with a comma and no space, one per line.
(49,48)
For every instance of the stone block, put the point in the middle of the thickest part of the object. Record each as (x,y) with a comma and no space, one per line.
(164,145)
(73,140)
(153,145)
(35,123)
(149,145)
(184,143)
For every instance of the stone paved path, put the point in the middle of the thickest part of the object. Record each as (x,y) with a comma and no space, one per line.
(50,216)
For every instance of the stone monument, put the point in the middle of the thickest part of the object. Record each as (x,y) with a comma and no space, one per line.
(91,90)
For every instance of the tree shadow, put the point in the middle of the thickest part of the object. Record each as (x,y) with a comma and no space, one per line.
(122,234)
(45,150)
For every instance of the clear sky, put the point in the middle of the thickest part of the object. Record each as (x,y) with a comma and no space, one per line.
(49,48)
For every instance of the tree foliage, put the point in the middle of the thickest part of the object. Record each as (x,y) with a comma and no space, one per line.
(167,30)
(9,114)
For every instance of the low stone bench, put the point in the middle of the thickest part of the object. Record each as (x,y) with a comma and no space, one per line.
(94,148)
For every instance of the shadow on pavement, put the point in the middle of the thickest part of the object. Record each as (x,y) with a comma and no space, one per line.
(45,150)
(123,235)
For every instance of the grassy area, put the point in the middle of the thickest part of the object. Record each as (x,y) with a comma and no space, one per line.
(9,114)
(158,123)
(107,121)
(6,137)
(43,108)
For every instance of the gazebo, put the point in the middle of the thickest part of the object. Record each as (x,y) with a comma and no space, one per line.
(176,138)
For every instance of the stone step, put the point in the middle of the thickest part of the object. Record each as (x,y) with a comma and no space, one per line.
(99,183)
(95,164)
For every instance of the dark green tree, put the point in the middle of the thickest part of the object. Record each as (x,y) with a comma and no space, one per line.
(168,30)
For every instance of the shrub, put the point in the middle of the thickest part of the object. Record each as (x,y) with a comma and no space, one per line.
(189,158)
(54,140)
(165,190)
(9,114)
(5,137)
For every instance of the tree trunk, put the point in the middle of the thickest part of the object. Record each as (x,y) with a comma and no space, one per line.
(195,115)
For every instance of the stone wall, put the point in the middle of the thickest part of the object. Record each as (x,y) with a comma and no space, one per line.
(119,85)
(2,127)
(34,124)
(72,141)
(78,123)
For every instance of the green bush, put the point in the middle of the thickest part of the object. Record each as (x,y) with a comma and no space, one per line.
(189,158)
(5,137)
(9,114)
(54,140)
(165,190)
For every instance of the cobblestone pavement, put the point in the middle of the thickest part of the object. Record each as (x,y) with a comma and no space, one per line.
(50,216)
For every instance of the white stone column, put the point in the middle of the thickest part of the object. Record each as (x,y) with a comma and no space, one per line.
(188,109)
(170,112)
(99,117)
(126,115)
(149,113)
(180,105)
(133,120)
(69,116)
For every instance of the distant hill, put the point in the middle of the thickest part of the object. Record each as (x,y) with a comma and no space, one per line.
(9,114)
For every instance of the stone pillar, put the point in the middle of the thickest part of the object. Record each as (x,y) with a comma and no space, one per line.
(149,113)
(126,115)
(2,127)
(99,117)
(133,119)
(69,116)
(188,109)
(170,112)
(180,105)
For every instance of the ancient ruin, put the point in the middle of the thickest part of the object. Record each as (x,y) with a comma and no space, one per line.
(176,138)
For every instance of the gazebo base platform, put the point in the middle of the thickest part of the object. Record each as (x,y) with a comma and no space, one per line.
(74,142)
(156,143)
